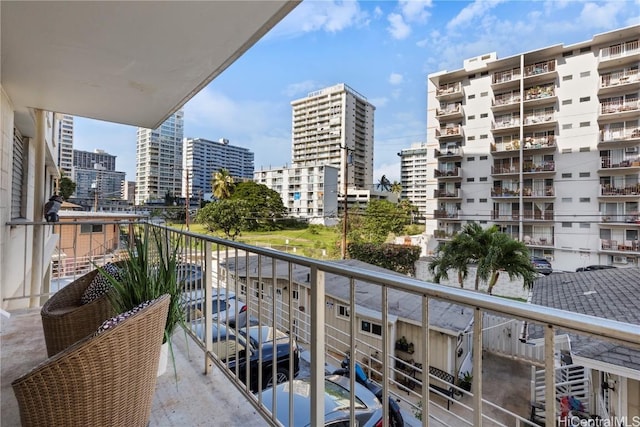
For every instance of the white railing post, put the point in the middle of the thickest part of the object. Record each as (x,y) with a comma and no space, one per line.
(477,368)
(549,374)
(317,346)
(208,317)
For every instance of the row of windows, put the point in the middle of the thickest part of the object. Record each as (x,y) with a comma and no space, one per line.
(365,325)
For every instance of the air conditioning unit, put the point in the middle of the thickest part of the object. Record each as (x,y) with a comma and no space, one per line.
(629,150)
(619,259)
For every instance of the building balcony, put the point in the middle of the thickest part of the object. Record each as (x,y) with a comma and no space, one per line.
(451,112)
(609,245)
(619,110)
(450,91)
(539,120)
(538,193)
(539,95)
(619,136)
(527,215)
(503,80)
(505,123)
(504,193)
(505,169)
(539,168)
(454,193)
(203,381)
(626,52)
(449,132)
(443,235)
(451,174)
(611,191)
(446,214)
(630,218)
(629,164)
(506,101)
(624,80)
(449,153)
(540,72)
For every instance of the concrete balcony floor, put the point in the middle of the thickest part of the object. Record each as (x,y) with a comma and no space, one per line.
(195,400)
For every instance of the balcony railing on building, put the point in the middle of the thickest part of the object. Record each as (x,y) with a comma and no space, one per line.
(506,76)
(506,122)
(453,193)
(614,191)
(619,106)
(446,214)
(447,173)
(449,90)
(540,68)
(504,99)
(505,192)
(454,151)
(620,245)
(630,218)
(619,78)
(449,111)
(620,50)
(449,131)
(276,286)
(533,167)
(618,134)
(535,118)
(607,162)
(527,215)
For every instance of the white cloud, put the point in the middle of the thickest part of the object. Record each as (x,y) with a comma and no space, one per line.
(329,16)
(397,27)
(377,12)
(475,10)
(415,10)
(299,89)
(395,78)
(599,16)
(379,102)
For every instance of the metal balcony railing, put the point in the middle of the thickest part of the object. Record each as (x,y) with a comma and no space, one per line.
(322,306)
(620,50)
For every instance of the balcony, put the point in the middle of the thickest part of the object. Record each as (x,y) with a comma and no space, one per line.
(610,245)
(505,193)
(446,214)
(506,101)
(626,52)
(539,120)
(619,109)
(539,167)
(618,136)
(449,91)
(450,112)
(623,80)
(505,79)
(449,132)
(449,153)
(448,174)
(508,122)
(611,191)
(539,95)
(629,164)
(454,193)
(623,218)
(324,334)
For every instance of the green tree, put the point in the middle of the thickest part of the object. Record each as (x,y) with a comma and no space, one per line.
(507,255)
(381,218)
(228,216)
(450,256)
(222,184)
(396,187)
(264,204)
(66,187)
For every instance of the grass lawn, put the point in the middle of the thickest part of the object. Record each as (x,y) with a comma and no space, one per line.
(315,242)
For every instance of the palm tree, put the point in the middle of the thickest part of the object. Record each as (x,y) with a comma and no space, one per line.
(384,184)
(222,184)
(451,256)
(505,254)
(476,241)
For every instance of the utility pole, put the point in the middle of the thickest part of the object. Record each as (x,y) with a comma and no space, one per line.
(186,201)
(345,159)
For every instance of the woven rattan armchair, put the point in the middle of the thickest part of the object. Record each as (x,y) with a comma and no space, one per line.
(102,380)
(66,320)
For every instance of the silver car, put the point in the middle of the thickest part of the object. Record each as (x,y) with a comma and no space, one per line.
(368,410)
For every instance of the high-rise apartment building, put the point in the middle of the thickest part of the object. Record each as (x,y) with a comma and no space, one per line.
(414,176)
(64,134)
(96,178)
(159,160)
(309,192)
(202,158)
(334,126)
(545,144)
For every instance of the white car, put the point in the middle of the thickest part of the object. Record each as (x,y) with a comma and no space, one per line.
(223,304)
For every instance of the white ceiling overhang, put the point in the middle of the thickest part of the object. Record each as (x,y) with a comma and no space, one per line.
(125,62)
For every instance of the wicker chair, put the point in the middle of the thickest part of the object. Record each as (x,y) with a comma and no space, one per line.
(103,380)
(66,320)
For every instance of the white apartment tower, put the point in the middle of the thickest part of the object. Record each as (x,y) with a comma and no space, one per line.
(414,176)
(544,144)
(159,160)
(203,158)
(64,130)
(308,192)
(334,126)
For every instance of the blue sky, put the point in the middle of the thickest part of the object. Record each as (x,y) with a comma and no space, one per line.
(382,49)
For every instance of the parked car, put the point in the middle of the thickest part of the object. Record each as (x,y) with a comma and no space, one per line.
(234,349)
(595,267)
(542,265)
(368,410)
(190,275)
(223,304)
(395,415)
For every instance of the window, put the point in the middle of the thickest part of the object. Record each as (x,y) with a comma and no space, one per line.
(567,101)
(565,78)
(471,138)
(567,126)
(483,200)
(470,200)
(484,115)
(566,150)
(471,97)
(371,328)
(585,225)
(567,225)
(343,311)
(18,175)
(585,174)
(483,94)
(567,200)
(471,118)
(90,228)
(566,175)
(585,124)
(565,54)
(484,73)
(585,149)
(483,179)
(585,49)
(585,99)
(484,136)
(585,74)
(471,179)
(471,159)
(585,199)
(483,158)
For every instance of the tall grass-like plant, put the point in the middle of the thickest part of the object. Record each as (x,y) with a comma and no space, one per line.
(149,271)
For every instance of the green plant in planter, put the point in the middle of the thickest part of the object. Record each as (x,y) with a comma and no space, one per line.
(466,380)
(149,272)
